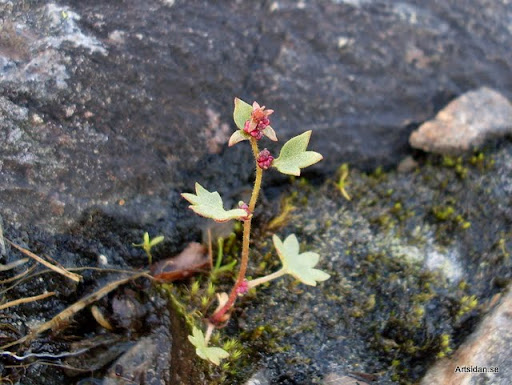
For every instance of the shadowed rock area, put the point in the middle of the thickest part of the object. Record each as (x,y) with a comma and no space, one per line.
(131,101)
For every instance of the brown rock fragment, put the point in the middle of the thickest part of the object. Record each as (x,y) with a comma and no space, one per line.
(465,123)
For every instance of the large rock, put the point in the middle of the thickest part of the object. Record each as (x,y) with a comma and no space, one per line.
(106,102)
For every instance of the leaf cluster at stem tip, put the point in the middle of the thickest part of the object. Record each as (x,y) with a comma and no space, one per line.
(253,124)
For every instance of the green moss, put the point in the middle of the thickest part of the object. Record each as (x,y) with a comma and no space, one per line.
(443,213)
(466,305)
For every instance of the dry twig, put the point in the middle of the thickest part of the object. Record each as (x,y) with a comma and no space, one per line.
(58,269)
(26,300)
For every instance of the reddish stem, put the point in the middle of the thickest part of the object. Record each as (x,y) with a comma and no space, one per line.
(219,317)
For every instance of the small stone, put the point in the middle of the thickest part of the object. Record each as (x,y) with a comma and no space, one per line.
(259,378)
(117,37)
(69,111)
(465,123)
(102,260)
(36,119)
(407,165)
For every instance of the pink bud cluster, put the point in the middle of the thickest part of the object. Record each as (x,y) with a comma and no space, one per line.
(243,288)
(264,159)
(258,122)
(244,206)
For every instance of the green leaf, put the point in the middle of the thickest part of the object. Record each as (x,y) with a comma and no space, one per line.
(238,136)
(300,266)
(214,355)
(293,155)
(242,113)
(155,241)
(209,205)
(270,133)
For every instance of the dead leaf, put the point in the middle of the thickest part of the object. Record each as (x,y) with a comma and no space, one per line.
(193,259)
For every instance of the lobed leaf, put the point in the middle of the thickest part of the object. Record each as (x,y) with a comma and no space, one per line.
(214,355)
(300,266)
(209,205)
(293,155)
(242,113)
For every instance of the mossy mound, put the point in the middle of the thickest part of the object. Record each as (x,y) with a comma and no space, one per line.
(414,258)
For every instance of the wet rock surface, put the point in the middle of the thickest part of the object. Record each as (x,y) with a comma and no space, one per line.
(131,102)
(109,110)
(143,342)
(465,123)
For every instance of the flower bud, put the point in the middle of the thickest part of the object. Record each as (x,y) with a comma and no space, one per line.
(245,206)
(259,121)
(243,288)
(264,159)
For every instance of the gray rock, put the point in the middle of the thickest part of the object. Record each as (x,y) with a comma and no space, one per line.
(465,123)
(147,362)
(259,378)
(488,348)
(337,379)
(132,102)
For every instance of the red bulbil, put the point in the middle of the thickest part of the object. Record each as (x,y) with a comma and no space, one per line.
(245,206)
(254,132)
(265,159)
(243,288)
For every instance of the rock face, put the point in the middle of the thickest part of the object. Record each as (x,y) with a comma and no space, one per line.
(465,123)
(105,102)
(488,347)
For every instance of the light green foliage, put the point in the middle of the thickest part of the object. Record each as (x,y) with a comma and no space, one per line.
(300,266)
(214,355)
(209,205)
(293,155)
(242,113)
(238,136)
(147,244)
(342,183)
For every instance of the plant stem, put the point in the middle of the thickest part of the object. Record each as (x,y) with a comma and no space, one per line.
(266,278)
(218,317)
(208,333)
(220,252)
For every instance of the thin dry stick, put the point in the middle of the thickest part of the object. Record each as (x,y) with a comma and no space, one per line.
(19,276)
(68,312)
(210,248)
(2,243)
(26,300)
(12,265)
(60,270)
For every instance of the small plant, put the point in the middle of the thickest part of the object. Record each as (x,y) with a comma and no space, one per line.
(253,124)
(147,244)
